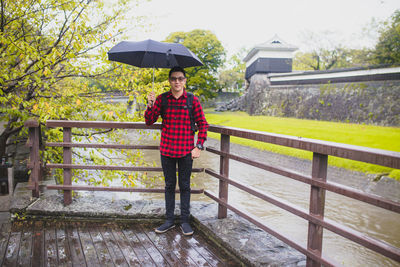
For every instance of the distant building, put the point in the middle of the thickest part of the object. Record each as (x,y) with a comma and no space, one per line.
(273,56)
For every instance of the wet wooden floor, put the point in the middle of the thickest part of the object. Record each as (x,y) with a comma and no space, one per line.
(45,243)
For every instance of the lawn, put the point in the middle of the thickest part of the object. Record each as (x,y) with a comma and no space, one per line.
(387,138)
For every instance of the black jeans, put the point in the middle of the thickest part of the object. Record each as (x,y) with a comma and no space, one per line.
(184,171)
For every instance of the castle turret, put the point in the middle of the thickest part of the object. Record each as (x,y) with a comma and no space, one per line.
(273,56)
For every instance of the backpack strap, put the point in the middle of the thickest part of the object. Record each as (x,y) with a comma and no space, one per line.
(189,103)
(164,104)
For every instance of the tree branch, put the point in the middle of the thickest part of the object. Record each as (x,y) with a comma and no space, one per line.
(35,11)
(2,23)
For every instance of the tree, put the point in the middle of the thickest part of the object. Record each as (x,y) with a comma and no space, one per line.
(49,49)
(232,77)
(321,59)
(321,53)
(387,50)
(325,51)
(335,58)
(202,80)
(359,57)
(304,61)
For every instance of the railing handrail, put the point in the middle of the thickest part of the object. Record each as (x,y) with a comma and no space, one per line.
(317,180)
(307,179)
(381,157)
(101,124)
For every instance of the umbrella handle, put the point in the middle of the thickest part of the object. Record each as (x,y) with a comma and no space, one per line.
(152,86)
(152,89)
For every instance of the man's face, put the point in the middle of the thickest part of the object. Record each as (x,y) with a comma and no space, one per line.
(177,81)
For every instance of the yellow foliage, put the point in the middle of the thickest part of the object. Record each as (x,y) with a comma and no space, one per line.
(46,71)
(45,68)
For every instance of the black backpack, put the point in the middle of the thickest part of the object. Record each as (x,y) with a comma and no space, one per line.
(189,106)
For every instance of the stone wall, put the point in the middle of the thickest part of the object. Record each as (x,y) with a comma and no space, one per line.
(364,102)
(370,102)
(221,99)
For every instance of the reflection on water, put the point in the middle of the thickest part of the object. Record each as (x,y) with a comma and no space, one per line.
(365,218)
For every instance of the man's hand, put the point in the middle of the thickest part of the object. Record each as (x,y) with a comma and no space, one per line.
(151,98)
(195,153)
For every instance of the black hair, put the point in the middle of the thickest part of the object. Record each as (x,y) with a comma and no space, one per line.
(177,69)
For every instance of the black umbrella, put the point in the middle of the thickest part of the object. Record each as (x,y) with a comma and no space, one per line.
(153,54)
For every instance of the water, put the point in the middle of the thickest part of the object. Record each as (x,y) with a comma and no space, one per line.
(367,219)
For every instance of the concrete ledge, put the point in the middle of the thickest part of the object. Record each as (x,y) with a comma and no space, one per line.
(235,235)
(252,245)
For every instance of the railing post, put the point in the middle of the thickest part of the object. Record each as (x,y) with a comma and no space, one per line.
(224,171)
(317,206)
(34,156)
(67,159)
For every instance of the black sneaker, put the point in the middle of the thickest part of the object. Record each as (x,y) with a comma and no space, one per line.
(186,229)
(164,227)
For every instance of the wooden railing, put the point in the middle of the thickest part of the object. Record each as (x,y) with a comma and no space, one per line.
(67,165)
(317,180)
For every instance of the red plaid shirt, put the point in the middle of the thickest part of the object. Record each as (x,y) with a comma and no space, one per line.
(177,137)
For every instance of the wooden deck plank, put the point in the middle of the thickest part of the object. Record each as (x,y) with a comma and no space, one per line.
(38,244)
(141,252)
(166,244)
(115,252)
(160,243)
(209,257)
(11,256)
(75,246)
(25,250)
(149,246)
(50,245)
(212,254)
(182,247)
(4,237)
(101,247)
(87,245)
(63,249)
(55,243)
(125,247)
(198,243)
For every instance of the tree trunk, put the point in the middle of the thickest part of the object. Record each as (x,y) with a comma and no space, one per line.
(6,134)
(3,143)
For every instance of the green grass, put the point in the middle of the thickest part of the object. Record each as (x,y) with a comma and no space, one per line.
(387,138)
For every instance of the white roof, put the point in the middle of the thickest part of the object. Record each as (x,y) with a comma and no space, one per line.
(273,44)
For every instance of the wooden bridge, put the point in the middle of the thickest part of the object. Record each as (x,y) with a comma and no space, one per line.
(315,215)
(63,243)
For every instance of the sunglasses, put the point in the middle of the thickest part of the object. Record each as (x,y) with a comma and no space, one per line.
(174,79)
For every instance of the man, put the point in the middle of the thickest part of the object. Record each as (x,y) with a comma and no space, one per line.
(177,143)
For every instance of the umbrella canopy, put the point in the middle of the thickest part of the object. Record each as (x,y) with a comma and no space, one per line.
(153,54)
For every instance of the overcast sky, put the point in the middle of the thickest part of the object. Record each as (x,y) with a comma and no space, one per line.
(246,23)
